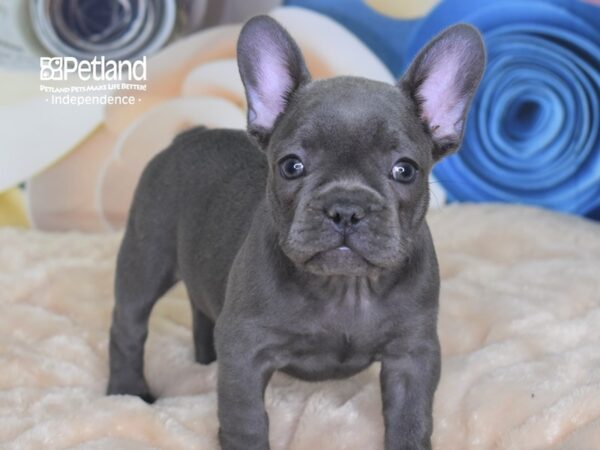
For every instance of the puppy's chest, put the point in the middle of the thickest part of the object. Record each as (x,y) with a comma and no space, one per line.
(337,338)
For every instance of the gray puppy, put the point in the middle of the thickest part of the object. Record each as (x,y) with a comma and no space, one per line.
(304,246)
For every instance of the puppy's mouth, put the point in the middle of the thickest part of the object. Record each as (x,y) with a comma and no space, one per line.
(340,260)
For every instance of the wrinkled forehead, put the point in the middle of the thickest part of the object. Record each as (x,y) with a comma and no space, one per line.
(350,115)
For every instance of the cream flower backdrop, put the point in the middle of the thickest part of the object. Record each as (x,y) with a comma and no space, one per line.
(194,81)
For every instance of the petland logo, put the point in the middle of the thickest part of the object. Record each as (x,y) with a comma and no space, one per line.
(97,69)
(99,81)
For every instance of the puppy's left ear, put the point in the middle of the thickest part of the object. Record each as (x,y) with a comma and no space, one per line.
(272,69)
(442,81)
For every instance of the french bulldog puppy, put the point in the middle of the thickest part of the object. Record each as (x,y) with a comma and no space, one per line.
(302,243)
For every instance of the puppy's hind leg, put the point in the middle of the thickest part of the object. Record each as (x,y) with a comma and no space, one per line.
(204,343)
(145,271)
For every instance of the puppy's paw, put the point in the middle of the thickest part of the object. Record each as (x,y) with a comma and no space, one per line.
(147,397)
(139,389)
(205,357)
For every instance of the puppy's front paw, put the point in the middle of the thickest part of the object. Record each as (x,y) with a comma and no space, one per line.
(147,397)
(138,389)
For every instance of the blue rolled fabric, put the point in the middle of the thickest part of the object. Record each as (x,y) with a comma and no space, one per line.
(533,133)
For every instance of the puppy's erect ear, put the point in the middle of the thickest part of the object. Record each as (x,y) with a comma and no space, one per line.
(272,69)
(442,81)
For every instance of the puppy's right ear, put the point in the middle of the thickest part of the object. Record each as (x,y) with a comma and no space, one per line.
(442,80)
(272,69)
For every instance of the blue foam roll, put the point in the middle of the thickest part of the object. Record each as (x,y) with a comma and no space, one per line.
(533,131)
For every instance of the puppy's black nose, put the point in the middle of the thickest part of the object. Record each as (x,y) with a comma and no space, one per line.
(345,216)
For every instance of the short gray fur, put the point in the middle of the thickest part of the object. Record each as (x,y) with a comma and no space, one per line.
(318,276)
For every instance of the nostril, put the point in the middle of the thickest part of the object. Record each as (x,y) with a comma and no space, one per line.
(343,215)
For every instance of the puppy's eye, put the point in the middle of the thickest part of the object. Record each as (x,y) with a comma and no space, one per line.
(404,171)
(291,167)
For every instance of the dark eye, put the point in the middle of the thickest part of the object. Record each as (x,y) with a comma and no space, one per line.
(404,171)
(291,167)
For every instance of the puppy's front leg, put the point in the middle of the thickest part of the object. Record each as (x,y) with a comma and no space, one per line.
(242,379)
(409,377)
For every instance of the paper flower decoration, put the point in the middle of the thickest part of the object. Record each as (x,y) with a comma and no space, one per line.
(384,25)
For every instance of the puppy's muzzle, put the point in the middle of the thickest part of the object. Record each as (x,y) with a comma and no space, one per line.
(345,208)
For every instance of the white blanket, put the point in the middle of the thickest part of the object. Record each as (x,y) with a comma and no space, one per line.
(519,325)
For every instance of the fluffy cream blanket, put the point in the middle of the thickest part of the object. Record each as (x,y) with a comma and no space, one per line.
(519,324)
